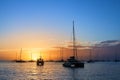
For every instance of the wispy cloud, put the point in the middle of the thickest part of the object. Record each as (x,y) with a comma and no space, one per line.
(108,43)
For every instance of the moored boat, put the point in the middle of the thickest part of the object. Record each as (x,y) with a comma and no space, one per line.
(40,62)
(73,62)
(20,60)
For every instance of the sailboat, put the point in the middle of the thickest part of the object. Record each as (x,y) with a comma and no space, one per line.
(40,61)
(20,61)
(61,55)
(90,57)
(31,59)
(73,62)
(116,56)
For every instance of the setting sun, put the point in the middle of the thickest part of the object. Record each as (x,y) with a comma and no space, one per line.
(34,57)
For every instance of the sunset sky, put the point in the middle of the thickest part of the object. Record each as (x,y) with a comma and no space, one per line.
(43,24)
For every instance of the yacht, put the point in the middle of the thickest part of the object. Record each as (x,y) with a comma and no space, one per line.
(40,61)
(73,62)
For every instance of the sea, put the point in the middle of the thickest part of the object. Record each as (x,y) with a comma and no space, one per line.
(55,71)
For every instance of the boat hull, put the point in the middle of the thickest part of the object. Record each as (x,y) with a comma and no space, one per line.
(74,65)
(90,61)
(20,61)
(40,63)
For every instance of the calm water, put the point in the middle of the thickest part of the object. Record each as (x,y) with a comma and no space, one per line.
(55,71)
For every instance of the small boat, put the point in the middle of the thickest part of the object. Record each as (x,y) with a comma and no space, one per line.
(40,62)
(73,62)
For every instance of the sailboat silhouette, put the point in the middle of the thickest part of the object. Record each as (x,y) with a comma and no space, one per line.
(90,56)
(73,61)
(20,60)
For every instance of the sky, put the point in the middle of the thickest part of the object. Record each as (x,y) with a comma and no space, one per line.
(48,23)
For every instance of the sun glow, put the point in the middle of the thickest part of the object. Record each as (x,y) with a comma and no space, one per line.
(35,56)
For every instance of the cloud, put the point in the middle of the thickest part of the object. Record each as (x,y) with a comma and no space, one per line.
(108,43)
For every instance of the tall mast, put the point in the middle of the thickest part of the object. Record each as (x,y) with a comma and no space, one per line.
(40,55)
(49,56)
(31,56)
(74,43)
(61,53)
(115,53)
(20,54)
(16,55)
(90,54)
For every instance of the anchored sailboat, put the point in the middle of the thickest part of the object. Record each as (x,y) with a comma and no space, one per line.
(73,61)
(61,54)
(90,56)
(31,58)
(20,60)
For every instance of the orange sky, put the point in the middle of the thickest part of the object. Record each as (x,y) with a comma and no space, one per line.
(54,53)
(47,54)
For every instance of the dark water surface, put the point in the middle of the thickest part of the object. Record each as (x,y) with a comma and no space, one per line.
(55,71)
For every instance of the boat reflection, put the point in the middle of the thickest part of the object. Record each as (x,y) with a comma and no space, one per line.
(74,74)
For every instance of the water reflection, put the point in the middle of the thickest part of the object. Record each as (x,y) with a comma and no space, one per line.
(74,74)
(55,71)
